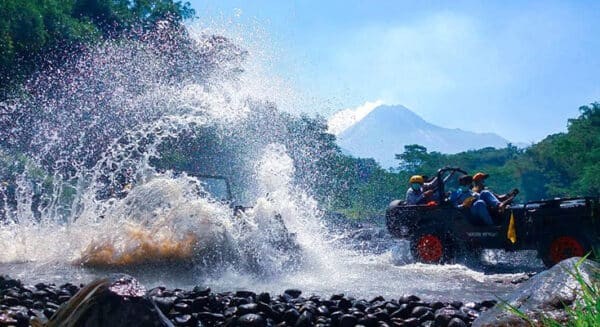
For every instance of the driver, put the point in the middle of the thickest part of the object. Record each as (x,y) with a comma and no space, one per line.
(419,192)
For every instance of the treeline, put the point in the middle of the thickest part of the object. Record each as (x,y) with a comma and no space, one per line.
(34,33)
(561,165)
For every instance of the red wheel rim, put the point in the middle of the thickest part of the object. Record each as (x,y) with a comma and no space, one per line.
(430,248)
(565,247)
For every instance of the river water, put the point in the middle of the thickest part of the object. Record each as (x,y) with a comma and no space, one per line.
(85,193)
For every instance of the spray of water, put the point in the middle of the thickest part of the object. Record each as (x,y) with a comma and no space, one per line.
(102,160)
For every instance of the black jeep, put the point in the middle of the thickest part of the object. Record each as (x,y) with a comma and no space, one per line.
(440,232)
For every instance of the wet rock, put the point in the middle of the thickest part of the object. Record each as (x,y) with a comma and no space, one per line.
(251,320)
(184,320)
(419,311)
(411,322)
(9,301)
(264,297)
(165,304)
(291,316)
(201,291)
(247,308)
(348,321)
(245,294)
(7,282)
(456,322)
(293,293)
(117,301)
(305,319)
(444,315)
(544,295)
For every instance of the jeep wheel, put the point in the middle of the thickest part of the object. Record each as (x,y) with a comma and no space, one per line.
(430,248)
(562,247)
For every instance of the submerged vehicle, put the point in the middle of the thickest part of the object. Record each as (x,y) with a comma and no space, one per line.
(440,232)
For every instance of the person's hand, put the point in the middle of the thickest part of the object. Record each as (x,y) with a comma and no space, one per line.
(428,193)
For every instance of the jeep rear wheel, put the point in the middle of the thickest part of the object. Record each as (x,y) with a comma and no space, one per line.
(563,247)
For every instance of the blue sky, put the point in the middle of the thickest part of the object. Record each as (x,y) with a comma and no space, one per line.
(516,68)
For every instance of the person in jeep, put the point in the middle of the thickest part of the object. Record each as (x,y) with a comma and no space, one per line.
(419,192)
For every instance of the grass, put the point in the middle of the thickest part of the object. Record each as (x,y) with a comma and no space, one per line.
(585,312)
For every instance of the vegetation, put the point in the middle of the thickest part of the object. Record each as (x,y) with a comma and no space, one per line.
(35,32)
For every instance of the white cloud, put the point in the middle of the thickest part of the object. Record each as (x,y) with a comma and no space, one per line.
(343,119)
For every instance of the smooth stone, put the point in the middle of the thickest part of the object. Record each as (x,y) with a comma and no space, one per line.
(291,316)
(305,319)
(444,315)
(201,291)
(184,320)
(427,316)
(251,320)
(294,293)
(368,321)
(247,308)
(348,321)
(264,297)
(9,301)
(182,307)
(456,322)
(165,304)
(344,304)
(245,294)
(210,316)
(419,311)
(336,297)
(323,311)
(411,322)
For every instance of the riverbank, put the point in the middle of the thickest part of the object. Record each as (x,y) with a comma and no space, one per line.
(19,303)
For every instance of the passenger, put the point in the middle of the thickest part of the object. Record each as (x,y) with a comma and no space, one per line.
(479,187)
(463,192)
(464,197)
(487,200)
(416,194)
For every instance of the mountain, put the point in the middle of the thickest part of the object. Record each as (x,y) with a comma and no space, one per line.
(387,129)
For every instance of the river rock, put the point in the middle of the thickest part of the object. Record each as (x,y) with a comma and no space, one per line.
(117,301)
(544,295)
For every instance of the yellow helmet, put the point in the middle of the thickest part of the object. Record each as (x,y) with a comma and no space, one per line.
(416,179)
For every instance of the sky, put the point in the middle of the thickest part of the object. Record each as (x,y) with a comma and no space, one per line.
(519,69)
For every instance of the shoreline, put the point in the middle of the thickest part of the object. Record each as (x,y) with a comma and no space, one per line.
(200,306)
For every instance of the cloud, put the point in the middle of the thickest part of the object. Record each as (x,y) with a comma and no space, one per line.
(343,119)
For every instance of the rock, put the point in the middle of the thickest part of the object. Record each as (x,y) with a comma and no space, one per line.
(293,293)
(165,304)
(291,316)
(305,319)
(544,295)
(444,315)
(247,308)
(6,282)
(456,322)
(419,311)
(201,291)
(245,294)
(118,301)
(264,297)
(184,320)
(251,320)
(348,321)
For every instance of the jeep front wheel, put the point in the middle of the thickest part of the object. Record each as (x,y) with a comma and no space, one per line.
(430,248)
